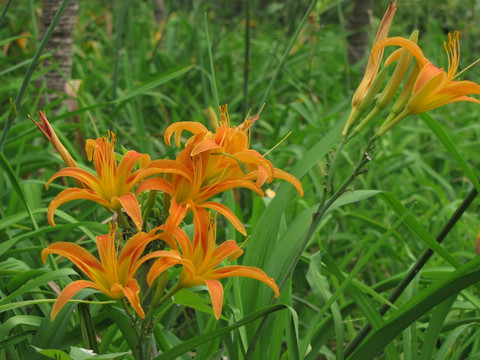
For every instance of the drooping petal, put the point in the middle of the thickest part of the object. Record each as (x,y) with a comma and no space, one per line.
(280,174)
(225,211)
(131,291)
(216,295)
(205,145)
(404,43)
(132,208)
(82,258)
(67,293)
(179,127)
(166,261)
(210,191)
(156,183)
(72,194)
(78,174)
(225,250)
(169,167)
(246,271)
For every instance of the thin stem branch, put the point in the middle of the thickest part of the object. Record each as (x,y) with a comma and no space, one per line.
(317,217)
(246,69)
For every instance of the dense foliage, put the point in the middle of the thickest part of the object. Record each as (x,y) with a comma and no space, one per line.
(136,76)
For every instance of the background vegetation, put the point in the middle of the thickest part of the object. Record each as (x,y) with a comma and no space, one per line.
(139,75)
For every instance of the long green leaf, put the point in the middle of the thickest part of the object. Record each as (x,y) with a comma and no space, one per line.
(452,149)
(200,339)
(418,229)
(14,181)
(159,80)
(264,237)
(417,306)
(38,281)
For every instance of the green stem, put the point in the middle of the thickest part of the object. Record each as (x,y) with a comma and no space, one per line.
(212,68)
(285,54)
(4,13)
(246,69)
(118,38)
(152,197)
(123,220)
(328,177)
(322,209)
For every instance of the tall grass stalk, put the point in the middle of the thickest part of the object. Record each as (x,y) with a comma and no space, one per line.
(285,54)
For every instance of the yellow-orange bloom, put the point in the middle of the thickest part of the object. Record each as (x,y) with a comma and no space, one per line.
(113,185)
(114,274)
(433,87)
(215,162)
(200,260)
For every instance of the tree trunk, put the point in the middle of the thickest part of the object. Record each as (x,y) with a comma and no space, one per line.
(61,43)
(359,25)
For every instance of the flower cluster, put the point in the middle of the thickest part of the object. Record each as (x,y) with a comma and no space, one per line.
(210,163)
(425,86)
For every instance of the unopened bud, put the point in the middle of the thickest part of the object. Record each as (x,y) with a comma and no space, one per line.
(212,118)
(49,133)
(398,75)
(372,92)
(159,285)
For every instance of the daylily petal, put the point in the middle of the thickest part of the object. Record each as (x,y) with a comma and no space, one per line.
(210,191)
(82,258)
(246,271)
(225,250)
(126,165)
(132,208)
(205,145)
(170,167)
(47,130)
(404,43)
(156,183)
(280,174)
(166,261)
(78,174)
(216,295)
(72,194)
(179,127)
(131,291)
(67,293)
(225,211)
(131,252)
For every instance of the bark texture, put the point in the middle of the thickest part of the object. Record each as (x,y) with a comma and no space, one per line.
(359,25)
(61,43)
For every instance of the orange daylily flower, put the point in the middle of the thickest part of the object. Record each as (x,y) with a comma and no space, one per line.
(372,66)
(215,162)
(433,87)
(200,259)
(112,187)
(114,274)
